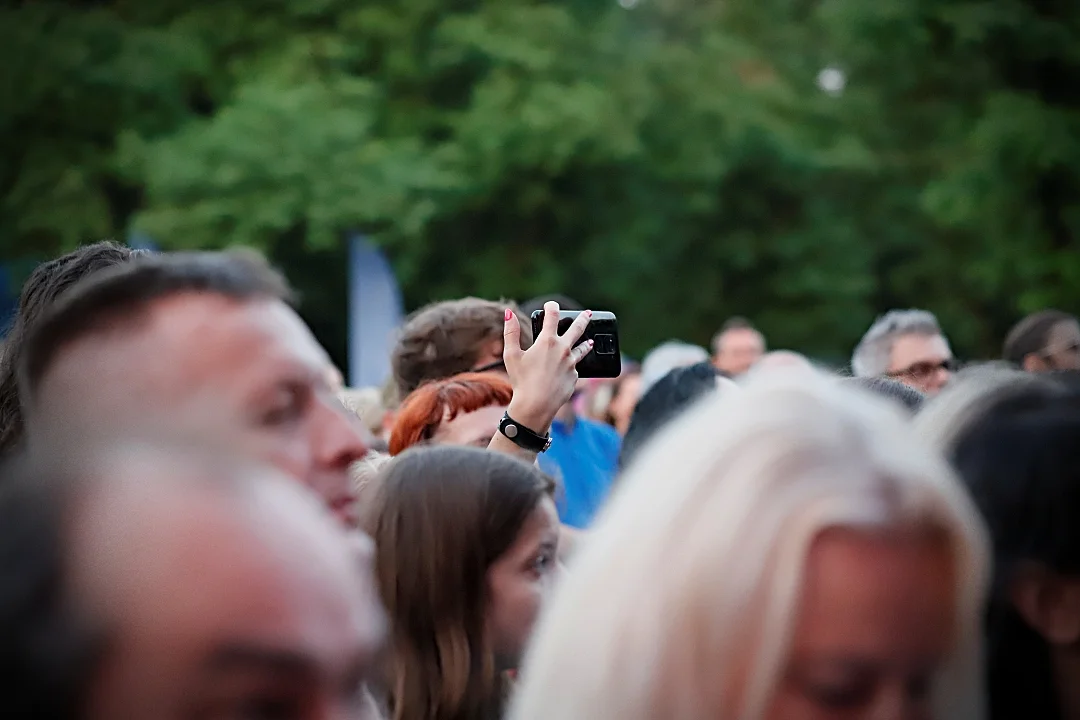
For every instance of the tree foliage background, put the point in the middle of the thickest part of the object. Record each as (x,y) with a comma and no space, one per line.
(675,161)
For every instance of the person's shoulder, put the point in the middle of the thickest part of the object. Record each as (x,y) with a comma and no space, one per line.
(603,431)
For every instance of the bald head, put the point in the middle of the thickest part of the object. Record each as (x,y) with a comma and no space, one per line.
(211,581)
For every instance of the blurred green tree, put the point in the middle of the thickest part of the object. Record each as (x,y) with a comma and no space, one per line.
(675,161)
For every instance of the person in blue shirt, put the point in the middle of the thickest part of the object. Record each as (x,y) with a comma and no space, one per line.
(583,459)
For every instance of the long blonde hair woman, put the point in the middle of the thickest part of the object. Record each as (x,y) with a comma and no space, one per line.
(790,551)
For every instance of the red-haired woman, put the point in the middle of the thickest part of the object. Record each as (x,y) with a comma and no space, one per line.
(461,410)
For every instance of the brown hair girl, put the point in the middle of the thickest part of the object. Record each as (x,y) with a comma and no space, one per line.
(466,545)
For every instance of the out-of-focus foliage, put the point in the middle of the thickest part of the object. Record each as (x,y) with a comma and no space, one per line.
(676,161)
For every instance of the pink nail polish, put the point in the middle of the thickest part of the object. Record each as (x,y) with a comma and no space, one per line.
(507,315)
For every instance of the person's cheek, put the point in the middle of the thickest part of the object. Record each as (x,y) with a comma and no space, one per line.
(291,454)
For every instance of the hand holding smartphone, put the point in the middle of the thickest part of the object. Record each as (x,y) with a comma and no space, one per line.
(605,360)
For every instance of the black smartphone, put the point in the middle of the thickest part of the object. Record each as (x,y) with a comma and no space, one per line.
(605,360)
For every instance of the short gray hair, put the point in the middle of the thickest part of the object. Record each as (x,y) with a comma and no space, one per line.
(874,352)
(666,357)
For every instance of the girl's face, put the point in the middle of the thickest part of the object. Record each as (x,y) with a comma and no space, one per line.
(875,623)
(519,580)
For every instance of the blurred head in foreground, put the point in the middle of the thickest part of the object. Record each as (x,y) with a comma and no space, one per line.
(170,585)
(1020,458)
(788,552)
(948,414)
(201,345)
(461,410)
(466,543)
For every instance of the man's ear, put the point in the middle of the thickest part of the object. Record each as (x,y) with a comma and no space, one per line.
(1033,363)
(1048,602)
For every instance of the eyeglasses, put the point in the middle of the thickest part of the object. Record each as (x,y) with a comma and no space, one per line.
(924,370)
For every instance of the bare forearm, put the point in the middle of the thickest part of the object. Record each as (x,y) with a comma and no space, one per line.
(501,443)
(537,420)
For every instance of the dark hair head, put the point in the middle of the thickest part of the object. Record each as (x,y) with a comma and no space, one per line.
(1032,334)
(119,298)
(47,650)
(444,515)
(1021,462)
(45,284)
(446,338)
(662,402)
(537,303)
(894,390)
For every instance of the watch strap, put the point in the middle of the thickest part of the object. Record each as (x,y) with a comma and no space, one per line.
(523,437)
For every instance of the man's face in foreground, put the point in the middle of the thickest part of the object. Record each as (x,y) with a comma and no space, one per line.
(244,374)
(218,607)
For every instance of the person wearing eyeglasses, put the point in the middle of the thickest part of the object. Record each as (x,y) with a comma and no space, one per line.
(909,346)
(1044,341)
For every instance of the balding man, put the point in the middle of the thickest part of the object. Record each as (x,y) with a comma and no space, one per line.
(196,345)
(168,585)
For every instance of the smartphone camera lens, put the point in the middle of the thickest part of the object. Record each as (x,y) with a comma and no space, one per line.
(604,344)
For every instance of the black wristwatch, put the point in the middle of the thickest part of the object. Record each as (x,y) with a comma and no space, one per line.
(522,436)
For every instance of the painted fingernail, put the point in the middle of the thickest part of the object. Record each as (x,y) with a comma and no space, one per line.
(591,343)
(507,315)
(588,313)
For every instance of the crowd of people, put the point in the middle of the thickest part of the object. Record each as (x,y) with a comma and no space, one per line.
(198,521)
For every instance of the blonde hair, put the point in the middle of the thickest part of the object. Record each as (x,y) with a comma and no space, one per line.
(366,404)
(707,537)
(365,475)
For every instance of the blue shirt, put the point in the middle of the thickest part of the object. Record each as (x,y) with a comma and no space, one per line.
(582,458)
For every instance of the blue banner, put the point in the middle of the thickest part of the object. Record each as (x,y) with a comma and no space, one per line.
(375,313)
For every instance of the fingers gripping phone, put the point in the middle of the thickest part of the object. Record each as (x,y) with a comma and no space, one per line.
(605,360)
